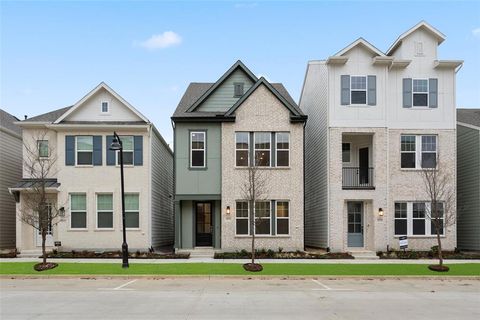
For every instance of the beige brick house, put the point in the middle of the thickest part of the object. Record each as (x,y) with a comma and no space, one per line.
(375,120)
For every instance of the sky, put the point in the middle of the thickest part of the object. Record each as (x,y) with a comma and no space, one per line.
(53,53)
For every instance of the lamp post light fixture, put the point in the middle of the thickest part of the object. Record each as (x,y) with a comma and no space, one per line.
(117,146)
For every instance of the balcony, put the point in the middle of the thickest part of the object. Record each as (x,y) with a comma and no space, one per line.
(357,178)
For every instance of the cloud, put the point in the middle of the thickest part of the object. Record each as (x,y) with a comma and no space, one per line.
(162,41)
(476,33)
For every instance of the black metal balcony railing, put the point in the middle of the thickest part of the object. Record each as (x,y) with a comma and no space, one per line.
(357,178)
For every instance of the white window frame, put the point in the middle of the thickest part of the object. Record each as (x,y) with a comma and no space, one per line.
(139,206)
(248,149)
(418,92)
(428,220)
(242,218)
(48,149)
(77,151)
(282,218)
(86,211)
(204,149)
(277,149)
(419,151)
(366,90)
(255,149)
(264,218)
(108,107)
(97,211)
(395,218)
(117,157)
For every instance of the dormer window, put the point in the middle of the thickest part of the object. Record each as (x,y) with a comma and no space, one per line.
(238,89)
(105,107)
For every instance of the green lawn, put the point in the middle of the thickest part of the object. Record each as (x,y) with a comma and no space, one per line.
(26,268)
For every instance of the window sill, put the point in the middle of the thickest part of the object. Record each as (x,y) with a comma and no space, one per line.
(417,169)
(263,236)
(125,166)
(78,229)
(264,168)
(420,236)
(133,229)
(420,108)
(84,166)
(358,106)
(197,168)
(104,229)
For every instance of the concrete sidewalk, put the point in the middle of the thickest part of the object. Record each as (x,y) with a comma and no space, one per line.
(211,260)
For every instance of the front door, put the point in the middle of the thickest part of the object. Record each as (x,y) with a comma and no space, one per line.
(49,237)
(203,215)
(355,224)
(363,165)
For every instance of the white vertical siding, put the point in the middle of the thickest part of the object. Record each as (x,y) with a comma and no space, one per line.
(314,102)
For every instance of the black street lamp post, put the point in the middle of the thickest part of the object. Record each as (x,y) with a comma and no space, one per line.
(117,146)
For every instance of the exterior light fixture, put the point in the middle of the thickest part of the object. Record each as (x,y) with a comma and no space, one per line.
(61,212)
(380,212)
(228,210)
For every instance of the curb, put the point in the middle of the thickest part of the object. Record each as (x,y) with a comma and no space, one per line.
(244,277)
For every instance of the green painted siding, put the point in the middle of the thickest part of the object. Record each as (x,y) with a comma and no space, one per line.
(468,188)
(223,97)
(206,181)
(187,231)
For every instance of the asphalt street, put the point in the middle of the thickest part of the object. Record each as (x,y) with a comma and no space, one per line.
(233,298)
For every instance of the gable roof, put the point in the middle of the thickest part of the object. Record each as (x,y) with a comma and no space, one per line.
(360,42)
(422,24)
(237,65)
(195,90)
(469,116)
(7,121)
(104,86)
(49,116)
(292,107)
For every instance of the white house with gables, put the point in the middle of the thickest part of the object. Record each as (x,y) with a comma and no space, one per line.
(375,121)
(84,183)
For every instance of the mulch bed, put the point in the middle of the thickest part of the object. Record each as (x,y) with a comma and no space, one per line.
(438,268)
(253,267)
(412,255)
(114,255)
(269,254)
(45,266)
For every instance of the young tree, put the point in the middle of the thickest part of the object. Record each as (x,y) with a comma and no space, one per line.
(37,208)
(440,191)
(255,189)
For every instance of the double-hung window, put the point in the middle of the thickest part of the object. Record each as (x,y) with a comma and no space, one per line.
(358,89)
(420,92)
(437,216)
(132,211)
(78,211)
(262,218)
(84,150)
(283,149)
(237,89)
(242,226)
(105,107)
(418,151)
(105,211)
(262,149)
(127,145)
(42,146)
(197,149)
(282,222)
(401,218)
(242,146)
(419,215)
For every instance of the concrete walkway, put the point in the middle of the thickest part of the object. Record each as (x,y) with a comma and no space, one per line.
(211,260)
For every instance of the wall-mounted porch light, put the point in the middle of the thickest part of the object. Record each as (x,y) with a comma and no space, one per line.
(61,212)
(380,212)
(227,211)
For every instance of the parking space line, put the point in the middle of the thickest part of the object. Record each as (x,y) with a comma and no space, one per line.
(121,287)
(326,288)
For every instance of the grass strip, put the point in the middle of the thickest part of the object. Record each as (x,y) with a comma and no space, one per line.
(68,268)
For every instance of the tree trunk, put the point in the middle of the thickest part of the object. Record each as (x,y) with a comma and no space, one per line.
(44,251)
(439,241)
(253,247)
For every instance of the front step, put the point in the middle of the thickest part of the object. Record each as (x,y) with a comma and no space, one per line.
(198,253)
(364,255)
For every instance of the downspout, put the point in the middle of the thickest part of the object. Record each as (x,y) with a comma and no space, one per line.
(150,227)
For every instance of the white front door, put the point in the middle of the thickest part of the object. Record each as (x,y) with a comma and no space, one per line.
(38,234)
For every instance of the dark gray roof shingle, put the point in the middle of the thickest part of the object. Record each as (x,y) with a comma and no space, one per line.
(469,116)
(196,89)
(31,183)
(49,116)
(7,121)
